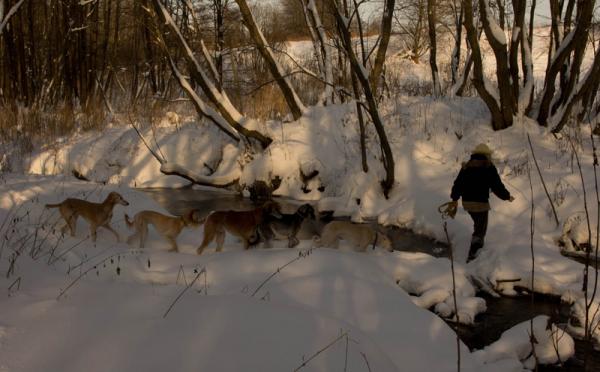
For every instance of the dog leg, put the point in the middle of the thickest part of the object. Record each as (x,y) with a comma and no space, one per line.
(143,234)
(66,226)
(132,238)
(293,241)
(209,235)
(72,224)
(109,228)
(221,240)
(362,247)
(93,232)
(173,242)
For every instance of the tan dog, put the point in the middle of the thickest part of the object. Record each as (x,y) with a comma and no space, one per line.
(360,235)
(96,214)
(167,226)
(242,224)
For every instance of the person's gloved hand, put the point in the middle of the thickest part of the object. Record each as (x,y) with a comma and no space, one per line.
(452,208)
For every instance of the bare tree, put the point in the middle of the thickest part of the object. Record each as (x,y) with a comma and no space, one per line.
(384,39)
(566,58)
(411,17)
(431,22)
(582,95)
(323,50)
(343,24)
(508,97)
(458,20)
(295,105)
(224,107)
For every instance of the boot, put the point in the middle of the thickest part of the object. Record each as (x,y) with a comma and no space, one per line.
(476,245)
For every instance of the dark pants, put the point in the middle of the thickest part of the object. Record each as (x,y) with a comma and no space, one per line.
(480,222)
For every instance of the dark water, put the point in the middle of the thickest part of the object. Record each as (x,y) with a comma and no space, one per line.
(503,313)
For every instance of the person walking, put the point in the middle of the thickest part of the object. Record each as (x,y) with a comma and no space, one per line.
(473,184)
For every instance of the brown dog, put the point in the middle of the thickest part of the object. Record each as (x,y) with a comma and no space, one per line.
(96,214)
(167,226)
(242,224)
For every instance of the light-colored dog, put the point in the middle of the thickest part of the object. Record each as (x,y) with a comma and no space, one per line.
(360,235)
(168,226)
(96,214)
(242,224)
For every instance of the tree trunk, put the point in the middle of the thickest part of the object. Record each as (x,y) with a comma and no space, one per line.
(322,44)
(295,105)
(358,69)
(386,32)
(457,45)
(564,49)
(4,18)
(431,21)
(586,89)
(478,78)
(497,40)
(361,125)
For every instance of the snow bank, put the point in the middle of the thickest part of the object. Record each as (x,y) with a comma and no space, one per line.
(112,317)
(552,345)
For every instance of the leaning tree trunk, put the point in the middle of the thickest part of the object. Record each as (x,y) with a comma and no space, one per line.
(224,107)
(293,101)
(4,18)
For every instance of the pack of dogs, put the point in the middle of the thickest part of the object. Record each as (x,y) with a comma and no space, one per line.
(262,224)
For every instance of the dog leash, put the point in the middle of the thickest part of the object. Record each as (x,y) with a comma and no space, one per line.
(448,209)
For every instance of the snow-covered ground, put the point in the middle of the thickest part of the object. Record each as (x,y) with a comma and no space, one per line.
(73,305)
(379,298)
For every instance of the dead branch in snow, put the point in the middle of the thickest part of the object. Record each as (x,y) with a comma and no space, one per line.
(171,169)
(543,182)
(203,271)
(316,354)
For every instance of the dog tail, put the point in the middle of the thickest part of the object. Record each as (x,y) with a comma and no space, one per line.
(53,205)
(128,221)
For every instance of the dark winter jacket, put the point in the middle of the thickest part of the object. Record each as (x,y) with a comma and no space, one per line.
(475,180)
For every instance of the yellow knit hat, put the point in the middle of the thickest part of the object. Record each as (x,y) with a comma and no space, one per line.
(482,149)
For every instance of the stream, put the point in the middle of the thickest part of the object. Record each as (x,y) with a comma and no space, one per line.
(502,313)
